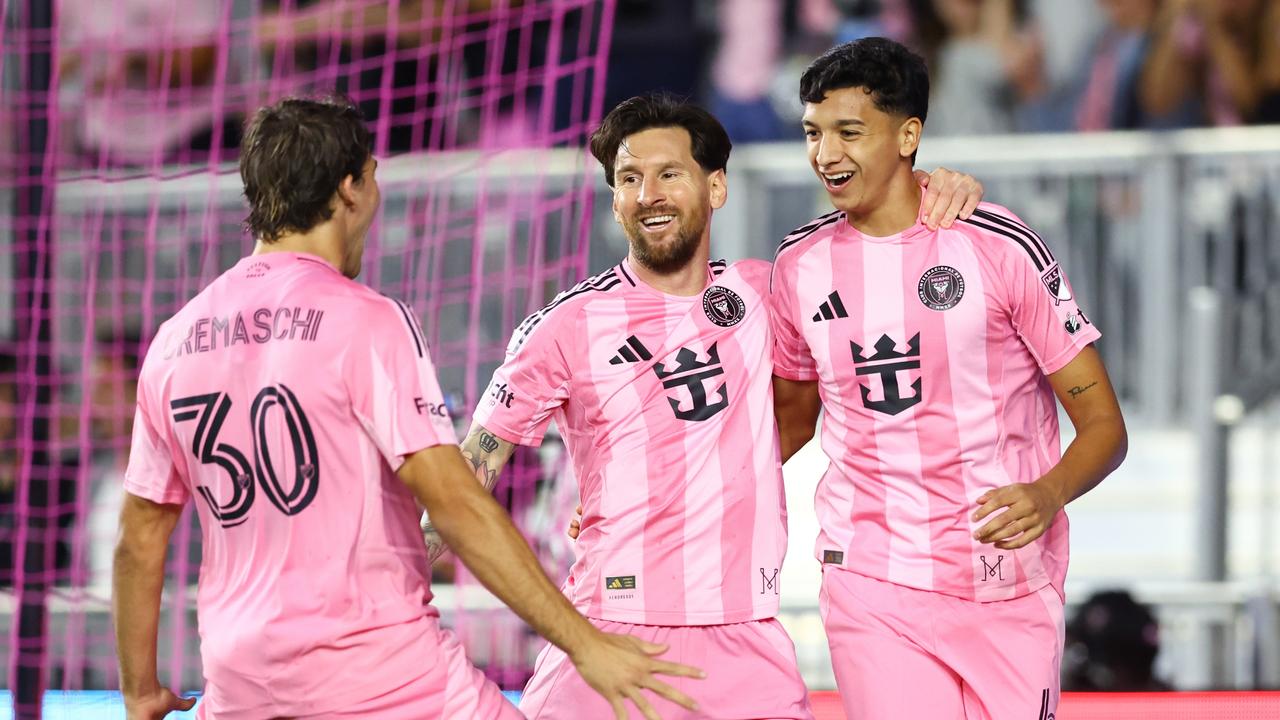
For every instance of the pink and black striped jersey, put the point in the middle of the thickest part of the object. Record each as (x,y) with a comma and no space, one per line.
(931,350)
(282,398)
(665,406)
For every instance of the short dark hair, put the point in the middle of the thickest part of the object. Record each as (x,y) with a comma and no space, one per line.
(897,78)
(294,156)
(709,140)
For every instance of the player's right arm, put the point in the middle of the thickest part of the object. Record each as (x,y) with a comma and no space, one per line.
(796,406)
(481,535)
(796,403)
(395,395)
(154,498)
(137,579)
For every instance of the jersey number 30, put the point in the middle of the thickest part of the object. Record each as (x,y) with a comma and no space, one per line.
(210,412)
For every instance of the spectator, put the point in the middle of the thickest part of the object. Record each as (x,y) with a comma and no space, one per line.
(409,66)
(49,510)
(872,18)
(1110,97)
(658,45)
(764,45)
(1219,58)
(1067,33)
(10,462)
(113,395)
(8,421)
(744,68)
(1111,646)
(140,80)
(984,63)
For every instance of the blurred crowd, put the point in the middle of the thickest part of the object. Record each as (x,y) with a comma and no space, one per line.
(150,81)
(1001,66)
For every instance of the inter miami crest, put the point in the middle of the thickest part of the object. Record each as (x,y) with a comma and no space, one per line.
(941,288)
(723,306)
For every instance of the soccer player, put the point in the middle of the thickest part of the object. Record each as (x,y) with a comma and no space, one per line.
(936,355)
(658,375)
(301,409)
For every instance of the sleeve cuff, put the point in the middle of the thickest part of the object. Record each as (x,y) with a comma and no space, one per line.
(156,495)
(1062,359)
(799,375)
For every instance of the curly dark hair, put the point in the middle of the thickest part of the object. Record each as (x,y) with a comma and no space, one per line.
(896,78)
(294,156)
(710,142)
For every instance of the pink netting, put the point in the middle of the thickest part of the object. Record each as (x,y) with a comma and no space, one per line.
(119,201)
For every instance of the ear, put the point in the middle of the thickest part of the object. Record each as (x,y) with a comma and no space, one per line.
(347,192)
(617,214)
(909,137)
(718,184)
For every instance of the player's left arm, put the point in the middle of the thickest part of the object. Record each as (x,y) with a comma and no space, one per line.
(137,580)
(487,454)
(1101,441)
(948,195)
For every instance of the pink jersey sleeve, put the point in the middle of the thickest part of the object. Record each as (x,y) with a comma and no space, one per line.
(1044,313)
(152,472)
(792,358)
(393,386)
(532,382)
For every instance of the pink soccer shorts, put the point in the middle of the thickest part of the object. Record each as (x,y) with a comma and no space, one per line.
(899,652)
(751,675)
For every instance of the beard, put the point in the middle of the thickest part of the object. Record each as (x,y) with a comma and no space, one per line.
(669,256)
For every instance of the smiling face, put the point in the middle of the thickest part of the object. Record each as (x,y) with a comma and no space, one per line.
(856,149)
(663,198)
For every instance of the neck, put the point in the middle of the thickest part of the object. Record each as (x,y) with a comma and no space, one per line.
(890,211)
(324,241)
(687,281)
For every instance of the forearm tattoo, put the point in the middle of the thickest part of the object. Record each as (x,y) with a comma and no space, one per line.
(487,455)
(1077,391)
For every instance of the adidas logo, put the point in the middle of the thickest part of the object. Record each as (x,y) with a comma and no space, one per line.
(831,309)
(633,351)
